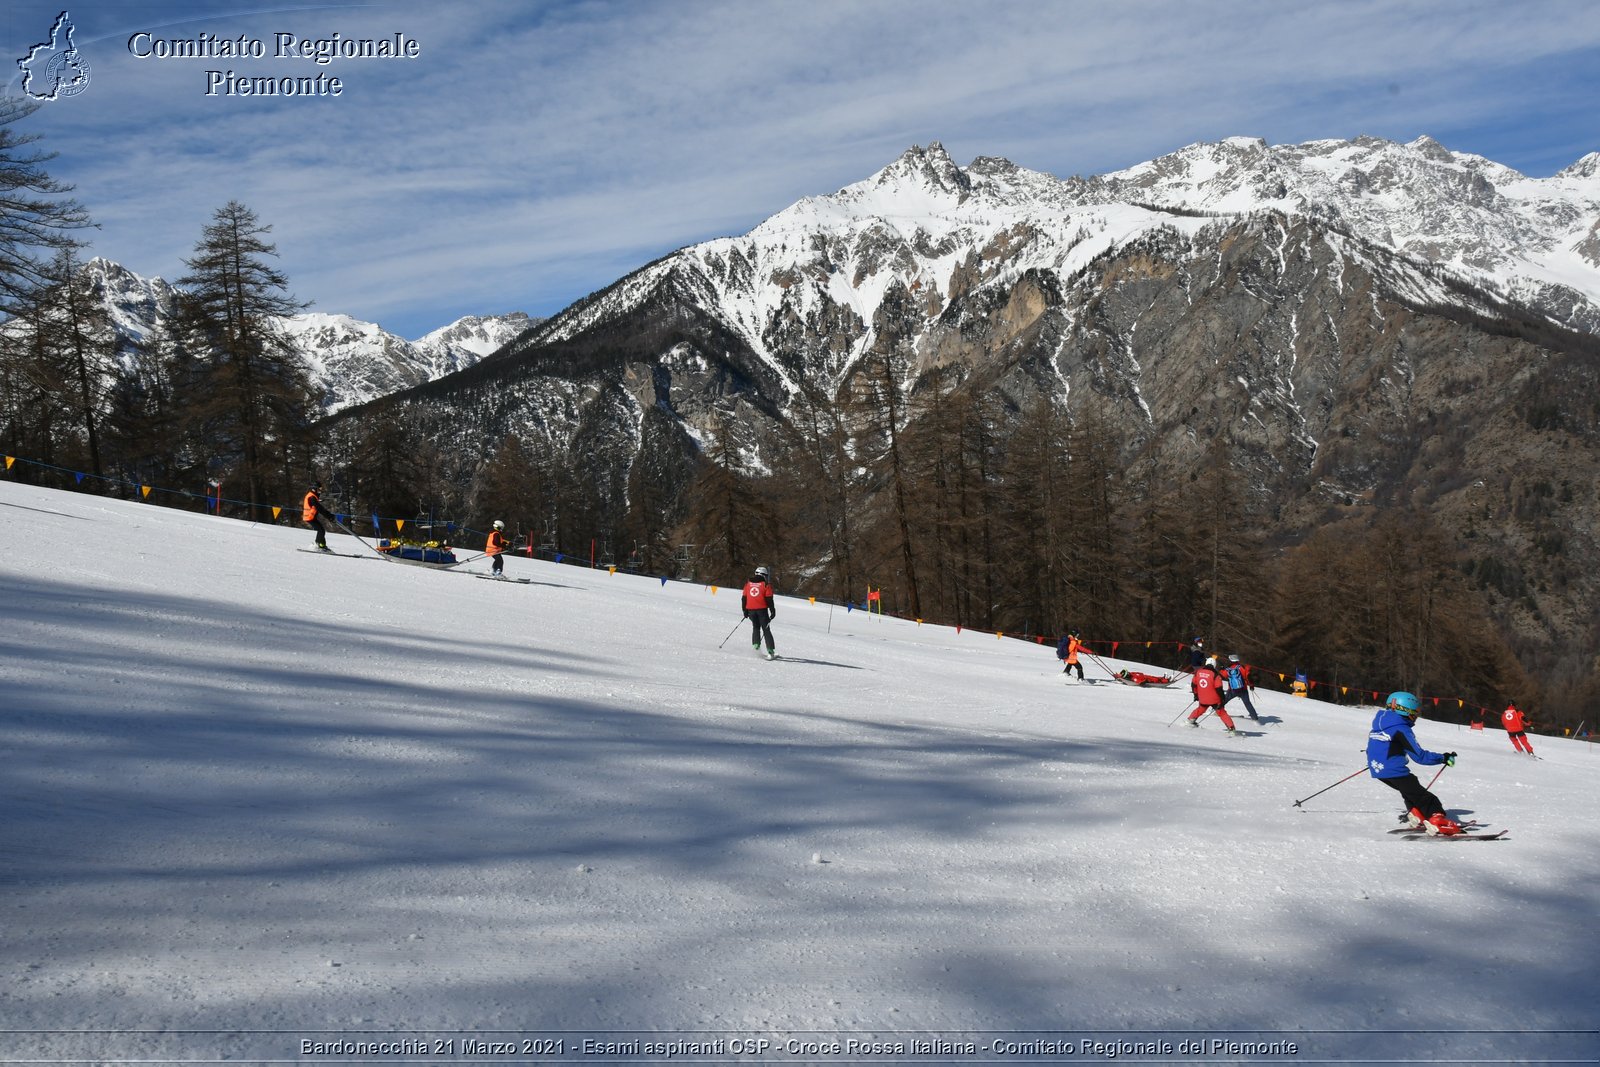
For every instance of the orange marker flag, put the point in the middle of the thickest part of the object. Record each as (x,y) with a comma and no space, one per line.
(276,511)
(9,461)
(144,491)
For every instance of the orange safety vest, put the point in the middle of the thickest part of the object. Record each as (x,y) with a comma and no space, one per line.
(496,544)
(312,505)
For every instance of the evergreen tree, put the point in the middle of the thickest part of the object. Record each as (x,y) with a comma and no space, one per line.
(253,395)
(36,220)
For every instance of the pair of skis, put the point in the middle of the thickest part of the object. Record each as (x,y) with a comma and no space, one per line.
(1469,832)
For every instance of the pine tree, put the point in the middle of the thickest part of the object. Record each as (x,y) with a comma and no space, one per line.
(36,219)
(254,395)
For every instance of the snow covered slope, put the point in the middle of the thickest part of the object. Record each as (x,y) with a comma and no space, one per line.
(323,798)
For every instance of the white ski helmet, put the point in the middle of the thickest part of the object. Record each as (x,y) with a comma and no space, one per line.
(761,572)
(498,525)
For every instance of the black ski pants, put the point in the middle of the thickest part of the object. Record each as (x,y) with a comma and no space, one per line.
(760,624)
(322,533)
(1414,795)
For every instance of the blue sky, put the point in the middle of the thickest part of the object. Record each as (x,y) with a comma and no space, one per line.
(534,152)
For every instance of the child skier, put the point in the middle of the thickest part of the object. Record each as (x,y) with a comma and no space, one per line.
(1390,744)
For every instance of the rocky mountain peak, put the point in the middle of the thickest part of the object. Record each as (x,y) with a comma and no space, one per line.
(930,167)
(1587,167)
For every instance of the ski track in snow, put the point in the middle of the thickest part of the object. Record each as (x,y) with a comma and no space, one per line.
(251,788)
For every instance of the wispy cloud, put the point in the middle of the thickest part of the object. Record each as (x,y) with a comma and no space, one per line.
(535,151)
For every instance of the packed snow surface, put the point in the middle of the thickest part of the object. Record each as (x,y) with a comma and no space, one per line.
(256,798)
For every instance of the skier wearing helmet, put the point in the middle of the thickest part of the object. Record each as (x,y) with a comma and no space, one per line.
(1207,685)
(1389,746)
(495,548)
(1067,651)
(312,513)
(760,607)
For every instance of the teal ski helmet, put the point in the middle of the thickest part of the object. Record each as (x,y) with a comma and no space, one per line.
(1404,703)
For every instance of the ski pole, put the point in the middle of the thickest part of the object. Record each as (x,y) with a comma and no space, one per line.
(1319,792)
(732,632)
(1192,705)
(1100,663)
(1435,778)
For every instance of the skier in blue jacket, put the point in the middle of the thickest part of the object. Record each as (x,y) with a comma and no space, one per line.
(1389,746)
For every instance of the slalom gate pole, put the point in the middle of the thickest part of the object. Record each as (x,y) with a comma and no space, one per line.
(1192,705)
(733,631)
(1319,792)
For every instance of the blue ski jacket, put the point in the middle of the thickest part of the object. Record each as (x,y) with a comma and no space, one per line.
(1391,743)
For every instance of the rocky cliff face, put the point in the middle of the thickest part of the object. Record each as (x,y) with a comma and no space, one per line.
(1358,323)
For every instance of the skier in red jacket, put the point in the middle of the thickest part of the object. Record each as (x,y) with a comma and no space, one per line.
(1207,686)
(1516,729)
(760,607)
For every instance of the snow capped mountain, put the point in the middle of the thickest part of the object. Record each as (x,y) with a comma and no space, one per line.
(942,231)
(355,361)
(1350,323)
(351,361)
(136,304)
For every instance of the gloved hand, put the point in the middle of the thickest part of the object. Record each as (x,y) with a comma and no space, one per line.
(747,613)
(1449,759)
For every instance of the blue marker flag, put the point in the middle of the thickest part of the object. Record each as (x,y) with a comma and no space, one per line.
(663,579)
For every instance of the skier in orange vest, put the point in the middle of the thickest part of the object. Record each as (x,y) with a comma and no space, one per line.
(1068,650)
(760,607)
(495,548)
(311,513)
(1516,729)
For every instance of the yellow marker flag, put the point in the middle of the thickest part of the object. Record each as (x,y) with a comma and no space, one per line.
(399,524)
(812,599)
(611,570)
(144,491)
(713,590)
(999,635)
(9,461)
(1344,690)
(276,511)
(919,622)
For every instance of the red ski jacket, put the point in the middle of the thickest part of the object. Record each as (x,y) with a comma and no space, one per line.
(1207,685)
